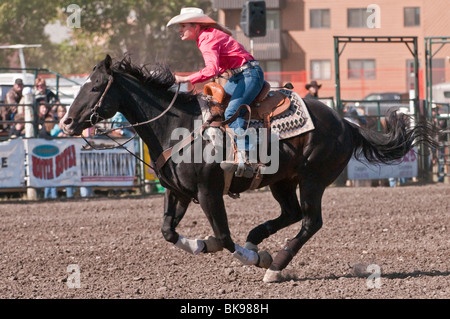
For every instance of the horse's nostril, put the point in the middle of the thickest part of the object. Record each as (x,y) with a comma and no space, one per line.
(68,121)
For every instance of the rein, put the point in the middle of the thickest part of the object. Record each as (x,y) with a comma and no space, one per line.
(165,155)
(148,121)
(94,118)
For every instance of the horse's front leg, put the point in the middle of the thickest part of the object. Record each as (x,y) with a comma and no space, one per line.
(212,204)
(174,210)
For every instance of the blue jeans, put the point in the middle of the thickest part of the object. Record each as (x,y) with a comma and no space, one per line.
(50,192)
(86,191)
(441,168)
(243,88)
(70,191)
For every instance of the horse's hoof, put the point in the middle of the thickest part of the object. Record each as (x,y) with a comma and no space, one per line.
(265,260)
(212,244)
(250,246)
(272,276)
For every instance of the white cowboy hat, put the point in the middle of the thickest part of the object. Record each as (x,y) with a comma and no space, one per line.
(191,15)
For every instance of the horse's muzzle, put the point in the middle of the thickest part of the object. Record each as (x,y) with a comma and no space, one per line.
(66,124)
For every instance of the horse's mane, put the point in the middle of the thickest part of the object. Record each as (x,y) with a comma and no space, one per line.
(159,76)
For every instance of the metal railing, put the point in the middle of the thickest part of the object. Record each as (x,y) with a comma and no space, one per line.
(39,71)
(141,184)
(376,110)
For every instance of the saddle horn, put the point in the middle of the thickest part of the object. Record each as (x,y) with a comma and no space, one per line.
(288,86)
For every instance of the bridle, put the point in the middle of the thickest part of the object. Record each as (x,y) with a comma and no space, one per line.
(94,113)
(166,154)
(95,118)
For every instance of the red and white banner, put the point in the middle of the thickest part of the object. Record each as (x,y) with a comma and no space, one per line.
(405,168)
(63,162)
(12,163)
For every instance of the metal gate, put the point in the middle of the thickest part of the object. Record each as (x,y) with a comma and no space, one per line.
(418,111)
(438,107)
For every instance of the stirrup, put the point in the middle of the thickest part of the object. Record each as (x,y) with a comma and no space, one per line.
(240,167)
(229,166)
(244,170)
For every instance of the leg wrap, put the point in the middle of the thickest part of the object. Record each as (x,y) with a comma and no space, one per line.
(247,257)
(285,256)
(193,246)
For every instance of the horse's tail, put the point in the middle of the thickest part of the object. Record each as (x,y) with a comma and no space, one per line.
(397,140)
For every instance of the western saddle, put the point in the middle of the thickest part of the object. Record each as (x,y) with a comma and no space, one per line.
(266,105)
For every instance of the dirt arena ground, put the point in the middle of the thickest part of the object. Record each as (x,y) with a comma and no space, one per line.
(117,249)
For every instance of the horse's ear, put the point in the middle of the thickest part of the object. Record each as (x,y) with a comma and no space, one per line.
(108,63)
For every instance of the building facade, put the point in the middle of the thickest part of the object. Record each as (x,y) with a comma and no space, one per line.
(299,44)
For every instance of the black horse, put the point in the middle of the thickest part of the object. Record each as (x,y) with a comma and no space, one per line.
(311,161)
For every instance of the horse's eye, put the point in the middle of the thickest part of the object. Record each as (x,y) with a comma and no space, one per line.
(95,89)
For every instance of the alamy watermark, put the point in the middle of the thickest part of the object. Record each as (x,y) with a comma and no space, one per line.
(374,279)
(221,148)
(374,19)
(74,278)
(74,20)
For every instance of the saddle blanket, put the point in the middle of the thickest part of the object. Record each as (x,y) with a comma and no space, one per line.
(294,121)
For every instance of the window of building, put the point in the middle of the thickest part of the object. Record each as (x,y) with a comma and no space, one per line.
(361,69)
(357,18)
(272,71)
(271,66)
(412,17)
(319,18)
(273,19)
(320,69)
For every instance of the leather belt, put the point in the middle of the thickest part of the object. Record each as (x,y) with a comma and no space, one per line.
(245,66)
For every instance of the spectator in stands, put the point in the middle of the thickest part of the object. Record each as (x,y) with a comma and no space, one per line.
(42,93)
(51,192)
(13,96)
(354,115)
(57,130)
(45,120)
(87,191)
(439,152)
(313,90)
(18,129)
(118,120)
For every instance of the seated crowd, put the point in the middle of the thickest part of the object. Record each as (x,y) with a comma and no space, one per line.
(48,110)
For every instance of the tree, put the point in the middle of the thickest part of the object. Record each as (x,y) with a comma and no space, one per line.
(106,26)
(138,27)
(23,22)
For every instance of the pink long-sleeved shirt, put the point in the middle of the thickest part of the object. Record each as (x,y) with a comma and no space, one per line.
(220,52)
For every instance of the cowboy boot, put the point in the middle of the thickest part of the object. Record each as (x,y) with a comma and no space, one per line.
(241,167)
(244,168)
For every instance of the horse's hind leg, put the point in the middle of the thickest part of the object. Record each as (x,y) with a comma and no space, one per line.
(285,192)
(311,204)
